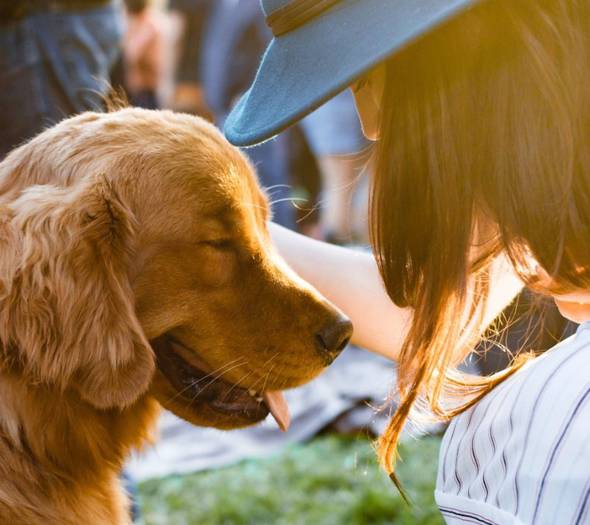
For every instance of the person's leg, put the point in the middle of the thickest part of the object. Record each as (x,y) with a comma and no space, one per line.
(79,50)
(146,98)
(334,134)
(23,104)
(339,175)
(54,64)
(271,162)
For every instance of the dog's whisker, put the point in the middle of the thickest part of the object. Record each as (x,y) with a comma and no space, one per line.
(237,384)
(253,387)
(288,199)
(266,364)
(221,373)
(311,210)
(220,370)
(275,186)
(215,379)
(212,380)
(268,376)
(271,359)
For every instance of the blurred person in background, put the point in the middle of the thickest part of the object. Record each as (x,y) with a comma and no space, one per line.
(55,60)
(191,17)
(142,53)
(235,37)
(334,135)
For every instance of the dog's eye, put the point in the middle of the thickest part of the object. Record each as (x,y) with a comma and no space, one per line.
(219,244)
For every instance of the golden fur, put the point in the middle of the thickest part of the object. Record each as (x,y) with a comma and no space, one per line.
(126,236)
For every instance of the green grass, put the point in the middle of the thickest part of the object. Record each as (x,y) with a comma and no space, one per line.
(332,480)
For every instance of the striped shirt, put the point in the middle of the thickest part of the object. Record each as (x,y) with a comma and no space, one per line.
(521,456)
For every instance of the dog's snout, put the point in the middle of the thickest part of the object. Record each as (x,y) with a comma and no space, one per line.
(333,338)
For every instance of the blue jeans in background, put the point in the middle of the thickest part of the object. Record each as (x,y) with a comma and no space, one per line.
(54,64)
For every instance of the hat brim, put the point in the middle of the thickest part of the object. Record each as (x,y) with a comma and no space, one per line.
(303,69)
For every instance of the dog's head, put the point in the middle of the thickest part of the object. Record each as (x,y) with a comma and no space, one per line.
(136,259)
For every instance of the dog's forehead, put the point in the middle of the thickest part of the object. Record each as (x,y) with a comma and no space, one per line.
(240,209)
(180,161)
(224,181)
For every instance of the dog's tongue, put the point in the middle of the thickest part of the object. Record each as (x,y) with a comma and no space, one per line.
(276,403)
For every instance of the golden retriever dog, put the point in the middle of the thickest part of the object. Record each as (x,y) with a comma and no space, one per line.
(136,270)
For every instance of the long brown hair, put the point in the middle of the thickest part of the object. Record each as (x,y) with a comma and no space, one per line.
(485,139)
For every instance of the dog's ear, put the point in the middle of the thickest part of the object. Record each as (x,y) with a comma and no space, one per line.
(67,309)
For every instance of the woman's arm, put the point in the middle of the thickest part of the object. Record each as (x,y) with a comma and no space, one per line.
(350,279)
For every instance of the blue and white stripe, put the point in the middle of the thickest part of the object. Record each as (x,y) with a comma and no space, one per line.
(522,455)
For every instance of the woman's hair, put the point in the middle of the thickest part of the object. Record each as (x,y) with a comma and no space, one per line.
(484,149)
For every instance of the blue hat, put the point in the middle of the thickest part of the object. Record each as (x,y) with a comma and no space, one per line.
(319,48)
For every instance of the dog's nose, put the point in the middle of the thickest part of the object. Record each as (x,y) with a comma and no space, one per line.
(333,338)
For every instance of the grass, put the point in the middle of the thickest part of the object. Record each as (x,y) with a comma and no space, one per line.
(332,480)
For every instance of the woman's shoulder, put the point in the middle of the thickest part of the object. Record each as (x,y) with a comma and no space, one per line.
(543,392)
(558,375)
(528,439)
(553,377)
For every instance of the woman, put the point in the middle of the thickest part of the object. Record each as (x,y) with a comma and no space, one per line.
(482,113)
